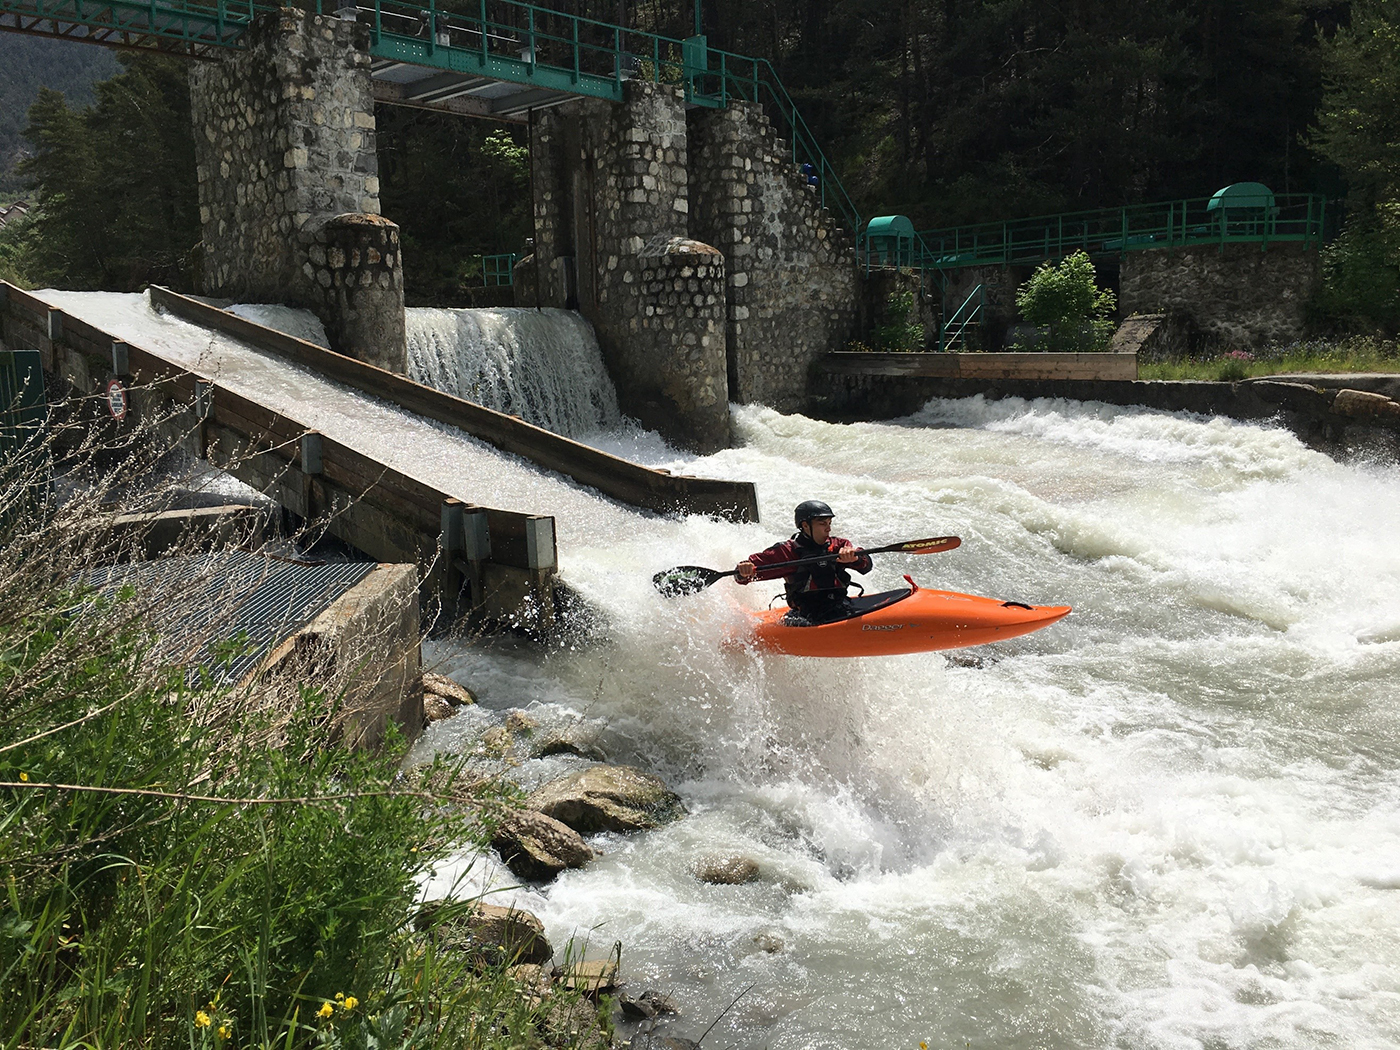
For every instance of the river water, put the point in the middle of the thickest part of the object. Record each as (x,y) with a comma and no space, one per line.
(1170,821)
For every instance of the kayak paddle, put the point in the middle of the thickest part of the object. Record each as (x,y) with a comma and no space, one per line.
(691,579)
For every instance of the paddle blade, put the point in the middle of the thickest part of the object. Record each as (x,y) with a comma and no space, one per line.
(685,579)
(936,545)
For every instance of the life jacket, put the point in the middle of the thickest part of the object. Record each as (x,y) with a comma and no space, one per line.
(814,585)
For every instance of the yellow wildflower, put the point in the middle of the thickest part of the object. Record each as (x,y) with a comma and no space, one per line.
(24,778)
(339,996)
(351,1002)
(326,1010)
(201,1019)
(225,1030)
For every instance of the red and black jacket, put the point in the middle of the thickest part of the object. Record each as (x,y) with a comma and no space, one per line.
(810,584)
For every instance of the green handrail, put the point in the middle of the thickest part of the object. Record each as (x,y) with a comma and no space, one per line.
(1295,217)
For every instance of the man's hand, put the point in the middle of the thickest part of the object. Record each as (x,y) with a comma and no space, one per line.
(745,570)
(848,554)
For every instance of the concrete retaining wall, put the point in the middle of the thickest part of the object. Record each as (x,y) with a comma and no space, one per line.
(1329,417)
(1235,295)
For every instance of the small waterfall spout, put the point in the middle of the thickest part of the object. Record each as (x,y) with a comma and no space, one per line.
(541,365)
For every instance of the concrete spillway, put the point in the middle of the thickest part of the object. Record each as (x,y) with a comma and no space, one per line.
(446,458)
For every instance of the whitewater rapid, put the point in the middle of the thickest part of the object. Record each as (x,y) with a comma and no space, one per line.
(1171,821)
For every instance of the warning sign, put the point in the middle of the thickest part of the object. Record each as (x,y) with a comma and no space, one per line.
(116,399)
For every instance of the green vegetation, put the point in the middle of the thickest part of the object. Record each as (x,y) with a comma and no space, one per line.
(185,866)
(114,184)
(458,189)
(28,63)
(901,330)
(1065,302)
(1356,354)
(1359,131)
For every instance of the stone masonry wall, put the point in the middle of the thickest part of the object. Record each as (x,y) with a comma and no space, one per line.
(284,140)
(1239,296)
(611,200)
(792,283)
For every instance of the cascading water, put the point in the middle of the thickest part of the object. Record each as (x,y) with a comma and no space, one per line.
(541,365)
(1170,821)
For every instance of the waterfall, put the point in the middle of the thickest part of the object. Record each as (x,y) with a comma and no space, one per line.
(541,365)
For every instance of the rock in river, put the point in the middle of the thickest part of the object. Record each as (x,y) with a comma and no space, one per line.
(537,848)
(608,798)
(492,935)
(726,870)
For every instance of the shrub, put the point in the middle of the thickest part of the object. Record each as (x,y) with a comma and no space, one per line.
(183,865)
(901,330)
(1064,301)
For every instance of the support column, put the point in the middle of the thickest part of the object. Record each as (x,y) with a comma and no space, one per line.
(792,284)
(611,240)
(285,155)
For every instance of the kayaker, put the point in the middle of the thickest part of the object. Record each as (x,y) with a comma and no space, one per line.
(815,593)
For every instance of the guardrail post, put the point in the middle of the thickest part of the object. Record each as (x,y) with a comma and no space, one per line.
(203,406)
(476,549)
(311,449)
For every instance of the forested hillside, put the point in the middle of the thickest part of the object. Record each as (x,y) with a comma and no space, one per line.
(949,111)
(28,63)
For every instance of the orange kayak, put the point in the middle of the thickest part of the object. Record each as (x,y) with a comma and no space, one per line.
(906,621)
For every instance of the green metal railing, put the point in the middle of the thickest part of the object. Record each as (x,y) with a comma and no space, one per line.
(505,40)
(953,331)
(1298,217)
(498,271)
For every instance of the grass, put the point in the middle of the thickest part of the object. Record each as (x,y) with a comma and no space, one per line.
(1357,354)
(186,865)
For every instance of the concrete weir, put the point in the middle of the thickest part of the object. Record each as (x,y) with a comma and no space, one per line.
(395,469)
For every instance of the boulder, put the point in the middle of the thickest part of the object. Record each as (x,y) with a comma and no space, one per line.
(520,722)
(435,708)
(497,741)
(608,798)
(568,742)
(729,870)
(590,978)
(646,1006)
(493,935)
(1362,404)
(442,686)
(536,847)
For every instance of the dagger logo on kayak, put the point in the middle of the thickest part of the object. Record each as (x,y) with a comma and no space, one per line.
(883,626)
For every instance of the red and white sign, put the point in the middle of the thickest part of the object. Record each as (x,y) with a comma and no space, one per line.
(116,399)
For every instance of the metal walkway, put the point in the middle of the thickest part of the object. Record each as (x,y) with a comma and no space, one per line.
(1286,218)
(501,59)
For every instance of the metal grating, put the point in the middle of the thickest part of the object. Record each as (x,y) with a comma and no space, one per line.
(222,613)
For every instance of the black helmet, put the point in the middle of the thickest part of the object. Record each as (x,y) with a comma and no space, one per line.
(809,509)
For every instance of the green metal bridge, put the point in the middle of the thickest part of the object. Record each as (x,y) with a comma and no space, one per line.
(489,58)
(1245,213)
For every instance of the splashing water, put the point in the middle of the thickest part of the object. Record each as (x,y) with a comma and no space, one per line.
(541,365)
(1170,821)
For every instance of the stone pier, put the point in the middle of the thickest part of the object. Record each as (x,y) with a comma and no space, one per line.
(697,250)
(612,240)
(289,181)
(792,287)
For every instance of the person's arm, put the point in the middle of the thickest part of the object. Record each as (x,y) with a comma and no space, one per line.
(751,569)
(852,557)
